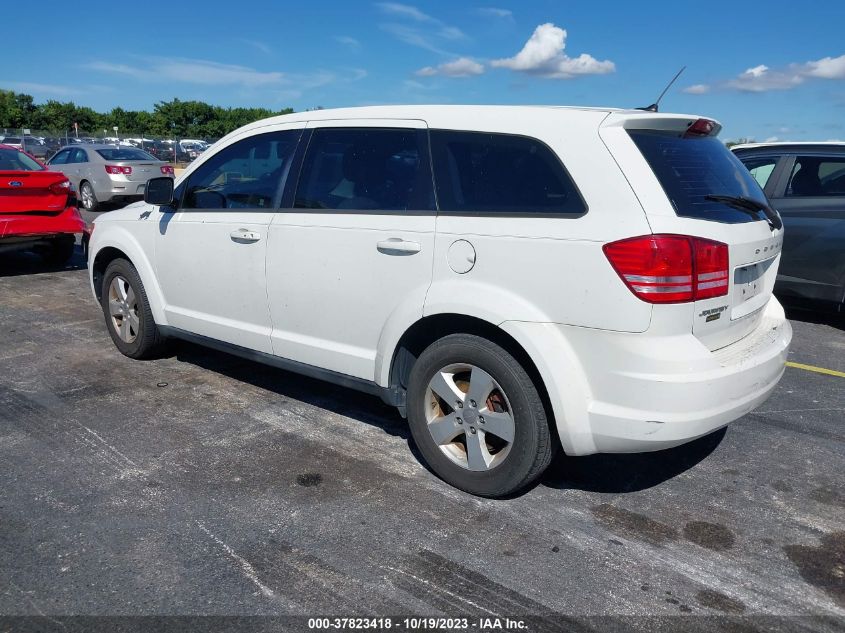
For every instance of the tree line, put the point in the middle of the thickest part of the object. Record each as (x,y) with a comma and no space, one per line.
(176,118)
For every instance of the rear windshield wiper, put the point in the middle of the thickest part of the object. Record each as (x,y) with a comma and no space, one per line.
(752,207)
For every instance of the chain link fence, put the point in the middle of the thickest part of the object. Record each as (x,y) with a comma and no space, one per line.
(44,143)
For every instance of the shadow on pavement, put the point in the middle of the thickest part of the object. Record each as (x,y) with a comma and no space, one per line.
(812,312)
(617,473)
(341,400)
(27,263)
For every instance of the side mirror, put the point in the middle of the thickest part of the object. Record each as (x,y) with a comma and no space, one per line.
(159,191)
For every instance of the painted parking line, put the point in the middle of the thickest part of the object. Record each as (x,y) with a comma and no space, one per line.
(818,370)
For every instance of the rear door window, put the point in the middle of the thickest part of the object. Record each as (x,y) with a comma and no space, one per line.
(477,172)
(247,174)
(815,176)
(367,169)
(761,168)
(690,168)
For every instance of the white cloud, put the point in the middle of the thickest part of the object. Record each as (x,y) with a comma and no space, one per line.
(405,11)
(761,78)
(425,30)
(259,45)
(42,89)
(351,42)
(771,139)
(194,71)
(461,67)
(543,55)
(826,68)
(495,12)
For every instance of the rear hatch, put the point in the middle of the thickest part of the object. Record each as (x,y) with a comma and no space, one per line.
(33,191)
(690,184)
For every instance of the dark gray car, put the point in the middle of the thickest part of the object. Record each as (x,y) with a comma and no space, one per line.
(806,184)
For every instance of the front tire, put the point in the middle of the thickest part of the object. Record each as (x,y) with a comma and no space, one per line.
(477,417)
(127,312)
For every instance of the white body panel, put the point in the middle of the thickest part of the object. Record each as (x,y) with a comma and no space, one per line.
(621,374)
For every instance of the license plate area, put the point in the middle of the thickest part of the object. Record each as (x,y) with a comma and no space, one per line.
(748,283)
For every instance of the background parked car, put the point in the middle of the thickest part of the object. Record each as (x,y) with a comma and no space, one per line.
(806,184)
(106,173)
(36,147)
(37,208)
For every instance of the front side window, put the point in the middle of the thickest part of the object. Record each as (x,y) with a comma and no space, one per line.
(814,176)
(500,173)
(245,175)
(761,168)
(367,169)
(61,158)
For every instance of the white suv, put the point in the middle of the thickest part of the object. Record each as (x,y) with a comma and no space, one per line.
(513,279)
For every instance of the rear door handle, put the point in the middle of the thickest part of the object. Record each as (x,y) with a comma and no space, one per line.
(242,235)
(397,246)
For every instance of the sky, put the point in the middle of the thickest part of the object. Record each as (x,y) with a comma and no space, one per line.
(767,71)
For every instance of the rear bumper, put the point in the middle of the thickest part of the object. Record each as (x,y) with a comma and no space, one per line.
(639,393)
(18,225)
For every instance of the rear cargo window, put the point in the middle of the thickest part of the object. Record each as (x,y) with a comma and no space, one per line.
(13,160)
(125,154)
(691,168)
(500,173)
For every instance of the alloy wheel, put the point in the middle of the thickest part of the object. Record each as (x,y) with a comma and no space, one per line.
(123,308)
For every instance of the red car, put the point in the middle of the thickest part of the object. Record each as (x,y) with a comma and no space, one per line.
(37,208)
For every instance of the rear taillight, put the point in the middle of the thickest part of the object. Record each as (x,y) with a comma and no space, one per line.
(701,127)
(117,169)
(671,268)
(60,188)
(167,170)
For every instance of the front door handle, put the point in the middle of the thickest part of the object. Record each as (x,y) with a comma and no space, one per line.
(397,246)
(245,236)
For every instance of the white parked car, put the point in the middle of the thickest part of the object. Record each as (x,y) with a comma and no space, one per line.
(513,279)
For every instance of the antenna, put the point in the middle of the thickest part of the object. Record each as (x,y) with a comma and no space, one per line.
(653,106)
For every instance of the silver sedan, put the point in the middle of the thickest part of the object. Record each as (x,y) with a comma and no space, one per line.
(108,173)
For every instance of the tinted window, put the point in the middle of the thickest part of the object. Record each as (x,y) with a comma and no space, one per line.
(11,140)
(13,160)
(476,171)
(78,156)
(691,168)
(817,176)
(124,153)
(60,158)
(368,169)
(761,168)
(247,174)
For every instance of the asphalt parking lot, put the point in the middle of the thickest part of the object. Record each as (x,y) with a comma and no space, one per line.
(206,484)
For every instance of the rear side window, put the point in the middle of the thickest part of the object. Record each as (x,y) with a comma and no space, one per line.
(367,169)
(500,173)
(247,174)
(814,176)
(691,168)
(761,168)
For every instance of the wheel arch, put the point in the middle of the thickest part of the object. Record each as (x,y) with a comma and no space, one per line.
(430,328)
(127,248)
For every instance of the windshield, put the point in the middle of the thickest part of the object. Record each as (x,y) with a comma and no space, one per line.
(125,153)
(13,160)
(689,169)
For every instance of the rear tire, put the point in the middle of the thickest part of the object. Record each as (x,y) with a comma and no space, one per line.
(129,318)
(88,197)
(477,417)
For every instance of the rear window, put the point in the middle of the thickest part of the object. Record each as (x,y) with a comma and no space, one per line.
(500,173)
(13,160)
(12,140)
(125,153)
(691,168)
